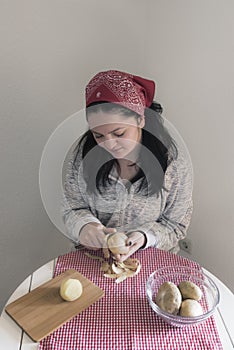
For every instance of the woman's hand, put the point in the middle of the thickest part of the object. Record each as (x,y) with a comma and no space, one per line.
(93,236)
(135,241)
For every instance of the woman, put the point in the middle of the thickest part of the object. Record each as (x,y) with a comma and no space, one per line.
(126,174)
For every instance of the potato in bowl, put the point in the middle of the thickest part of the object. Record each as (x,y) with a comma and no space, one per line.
(177,274)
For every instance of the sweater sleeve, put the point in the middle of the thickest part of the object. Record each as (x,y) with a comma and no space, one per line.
(75,209)
(166,232)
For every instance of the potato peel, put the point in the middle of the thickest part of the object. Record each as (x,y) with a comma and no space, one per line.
(121,278)
(105,267)
(119,271)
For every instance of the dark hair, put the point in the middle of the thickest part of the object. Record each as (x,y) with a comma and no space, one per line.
(158,151)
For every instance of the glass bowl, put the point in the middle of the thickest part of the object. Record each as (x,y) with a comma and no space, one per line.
(176,274)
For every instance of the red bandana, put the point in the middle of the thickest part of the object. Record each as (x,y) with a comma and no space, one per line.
(128,90)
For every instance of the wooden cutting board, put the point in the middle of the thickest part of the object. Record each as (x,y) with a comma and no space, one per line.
(42,311)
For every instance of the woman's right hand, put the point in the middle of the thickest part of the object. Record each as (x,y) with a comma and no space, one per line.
(93,236)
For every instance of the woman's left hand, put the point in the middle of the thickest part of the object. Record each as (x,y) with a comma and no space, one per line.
(135,241)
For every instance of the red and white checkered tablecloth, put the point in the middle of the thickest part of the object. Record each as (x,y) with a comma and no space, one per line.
(123,318)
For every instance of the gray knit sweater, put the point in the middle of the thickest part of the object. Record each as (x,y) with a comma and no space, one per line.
(164,218)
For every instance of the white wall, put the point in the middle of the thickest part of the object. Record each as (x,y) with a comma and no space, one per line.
(191,56)
(49,50)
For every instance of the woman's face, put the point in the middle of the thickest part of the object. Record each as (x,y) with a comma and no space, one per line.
(118,134)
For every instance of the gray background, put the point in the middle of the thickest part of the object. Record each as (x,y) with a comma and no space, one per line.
(50,49)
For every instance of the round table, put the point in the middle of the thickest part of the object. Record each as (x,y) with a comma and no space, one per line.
(12,337)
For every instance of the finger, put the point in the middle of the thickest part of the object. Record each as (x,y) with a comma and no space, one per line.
(132,244)
(109,230)
(129,241)
(117,257)
(135,237)
(122,258)
(133,248)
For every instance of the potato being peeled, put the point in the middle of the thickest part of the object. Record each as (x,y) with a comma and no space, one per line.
(117,243)
(70,289)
